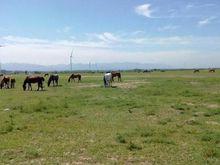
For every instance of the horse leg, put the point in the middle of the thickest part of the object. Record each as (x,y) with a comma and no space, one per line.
(104,80)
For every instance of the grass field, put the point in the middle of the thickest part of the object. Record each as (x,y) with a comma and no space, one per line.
(168,117)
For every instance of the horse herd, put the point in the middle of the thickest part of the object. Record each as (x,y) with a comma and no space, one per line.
(9,82)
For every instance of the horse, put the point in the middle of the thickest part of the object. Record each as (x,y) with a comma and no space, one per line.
(116,74)
(211,70)
(73,76)
(196,71)
(31,80)
(54,78)
(107,79)
(5,82)
(13,82)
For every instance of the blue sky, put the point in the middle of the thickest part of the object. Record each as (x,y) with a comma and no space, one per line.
(177,33)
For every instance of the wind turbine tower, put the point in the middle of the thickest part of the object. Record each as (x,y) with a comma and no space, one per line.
(71,61)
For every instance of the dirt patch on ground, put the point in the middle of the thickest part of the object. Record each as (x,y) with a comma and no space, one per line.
(124,85)
(194,83)
(130,85)
(212,106)
(212,123)
(86,85)
(89,86)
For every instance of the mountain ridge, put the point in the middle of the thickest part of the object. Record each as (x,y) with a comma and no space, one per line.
(80,66)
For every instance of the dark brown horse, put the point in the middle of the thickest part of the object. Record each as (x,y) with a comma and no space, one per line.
(116,74)
(13,82)
(73,76)
(212,70)
(5,82)
(32,80)
(53,78)
(196,71)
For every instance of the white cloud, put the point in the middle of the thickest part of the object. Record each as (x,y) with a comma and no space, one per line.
(47,52)
(65,29)
(108,37)
(144,10)
(191,6)
(206,21)
(168,28)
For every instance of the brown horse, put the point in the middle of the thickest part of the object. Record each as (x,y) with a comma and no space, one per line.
(32,80)
(53,78)
(73,76)
(196,71)
(116,74)
(211,70)
(5,82)
(13,82)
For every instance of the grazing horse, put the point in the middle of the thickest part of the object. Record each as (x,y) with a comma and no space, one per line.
(116,74)
(212,70)
(73,76)
(54,78)
(107,79)
(31,80)
(5,82)
(13,82)
(196,71)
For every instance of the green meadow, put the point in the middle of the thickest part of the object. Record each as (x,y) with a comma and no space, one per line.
(170,117)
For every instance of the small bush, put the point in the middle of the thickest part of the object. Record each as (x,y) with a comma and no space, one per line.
(147,133)
(211,137)
(120,138)
(32,153)
(133,147)
(210,153)
(164,121)
(212,113)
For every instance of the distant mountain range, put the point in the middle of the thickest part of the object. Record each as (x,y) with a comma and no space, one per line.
(98,66)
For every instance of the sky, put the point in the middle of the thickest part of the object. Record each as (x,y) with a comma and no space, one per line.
(175,33)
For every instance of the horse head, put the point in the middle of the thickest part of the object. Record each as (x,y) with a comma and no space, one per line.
(72,75)
(24,87)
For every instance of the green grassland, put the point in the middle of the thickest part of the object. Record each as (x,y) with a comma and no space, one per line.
(170,117)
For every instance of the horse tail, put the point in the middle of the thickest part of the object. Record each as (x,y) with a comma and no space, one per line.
(80,77)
